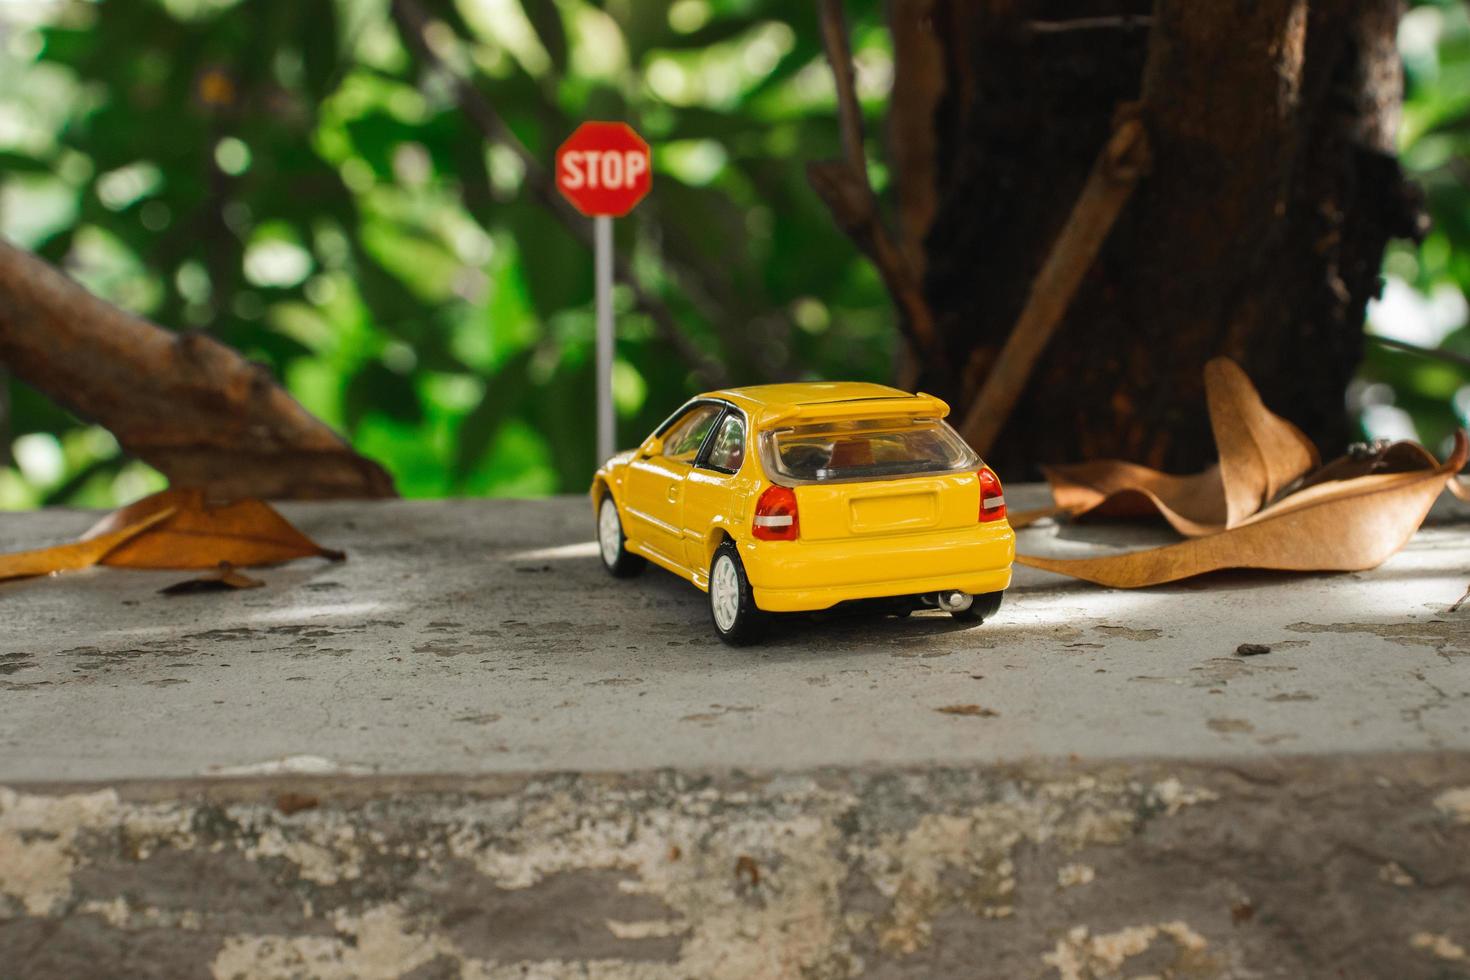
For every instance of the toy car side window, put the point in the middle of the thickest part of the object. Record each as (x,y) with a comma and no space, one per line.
(727,450)
(683,439)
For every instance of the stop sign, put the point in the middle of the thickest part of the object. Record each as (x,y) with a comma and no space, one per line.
(604,169)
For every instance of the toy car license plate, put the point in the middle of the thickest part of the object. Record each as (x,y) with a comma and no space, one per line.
(898,512)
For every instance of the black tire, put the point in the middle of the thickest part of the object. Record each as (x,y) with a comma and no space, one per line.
(619,562)
(981,608)
(745,623)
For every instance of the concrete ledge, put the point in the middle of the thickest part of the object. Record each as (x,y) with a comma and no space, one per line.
(1282,868)
(466,752)
(483,636)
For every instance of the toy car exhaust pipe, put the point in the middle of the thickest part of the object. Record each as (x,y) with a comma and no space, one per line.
(955,601)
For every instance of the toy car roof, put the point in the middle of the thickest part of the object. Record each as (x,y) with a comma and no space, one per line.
(823,400)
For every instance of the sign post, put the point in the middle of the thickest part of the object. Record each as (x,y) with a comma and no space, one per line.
(606,420)
(604,169)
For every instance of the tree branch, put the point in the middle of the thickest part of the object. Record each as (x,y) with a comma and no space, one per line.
(1434,353)
(844,76)
(1125,22)
(843,186)
(1118,168)
(918,87)
(184,403)
(412,25)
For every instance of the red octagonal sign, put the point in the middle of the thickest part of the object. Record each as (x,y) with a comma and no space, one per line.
(604,168)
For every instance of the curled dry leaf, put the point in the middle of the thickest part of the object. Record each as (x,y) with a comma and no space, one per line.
(1335,525)
(1261,454)
(199,534)
(1194,505)
(968,710)
(1383,457)
(178,529)
(224,578)
(290,802)
(78,554)
(1266,504)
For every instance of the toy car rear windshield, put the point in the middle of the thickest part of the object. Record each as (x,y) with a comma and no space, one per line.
(871,449)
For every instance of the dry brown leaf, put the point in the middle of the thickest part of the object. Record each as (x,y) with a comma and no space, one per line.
(1194,505)
(968,710)
(199,534)
(1396,457)
(746,867)
(178,529)
(77,554)
(1336,526)
(1260,452)
(291,802)
(1260,455)
(224,578)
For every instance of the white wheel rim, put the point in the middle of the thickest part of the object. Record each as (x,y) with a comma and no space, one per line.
(724,593)
(609,532)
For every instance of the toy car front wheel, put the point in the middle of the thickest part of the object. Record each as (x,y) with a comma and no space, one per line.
(981,608)
(731,602)
(612,543)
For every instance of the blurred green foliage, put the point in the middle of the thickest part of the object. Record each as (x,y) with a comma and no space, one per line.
(1408,395)
(281,174)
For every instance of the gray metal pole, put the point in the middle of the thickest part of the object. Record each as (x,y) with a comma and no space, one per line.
(605,435)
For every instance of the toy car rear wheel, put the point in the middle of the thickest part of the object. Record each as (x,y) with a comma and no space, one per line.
(732,605)
(612,543)
(982,607)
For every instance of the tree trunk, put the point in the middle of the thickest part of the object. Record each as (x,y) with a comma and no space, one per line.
(1257,234)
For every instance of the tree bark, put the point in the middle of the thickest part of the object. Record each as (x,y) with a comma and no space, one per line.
(184,403)
(1258,233)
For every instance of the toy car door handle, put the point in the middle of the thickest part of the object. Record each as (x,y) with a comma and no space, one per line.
(673,493)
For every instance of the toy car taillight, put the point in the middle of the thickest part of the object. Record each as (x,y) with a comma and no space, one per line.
(992,497)
(775,515)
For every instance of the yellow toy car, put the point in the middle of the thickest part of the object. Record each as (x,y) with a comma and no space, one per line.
(791,497)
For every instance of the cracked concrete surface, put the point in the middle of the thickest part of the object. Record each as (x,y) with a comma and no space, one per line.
(466,752)
(480,636)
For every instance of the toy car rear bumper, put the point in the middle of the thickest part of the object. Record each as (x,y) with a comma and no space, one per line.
(792,576)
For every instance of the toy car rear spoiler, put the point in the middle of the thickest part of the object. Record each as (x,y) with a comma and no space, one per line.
(907,406)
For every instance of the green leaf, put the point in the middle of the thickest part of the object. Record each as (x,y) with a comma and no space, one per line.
(20,163)
(375,388)
(504,392)
(320,46)
(545,18)
(557,268)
